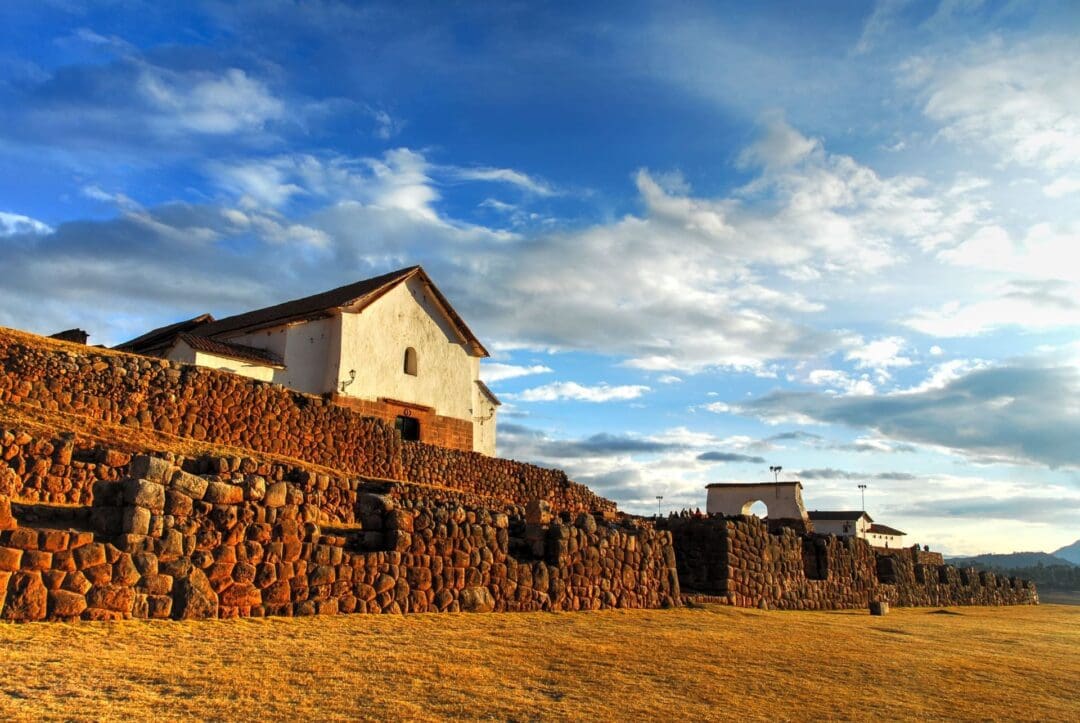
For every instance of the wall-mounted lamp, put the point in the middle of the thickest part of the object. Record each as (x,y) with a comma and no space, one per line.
(352,378)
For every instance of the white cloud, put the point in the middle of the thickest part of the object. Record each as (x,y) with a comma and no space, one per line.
(941,375)
(878,24)
(880,355)
(118,199)
(669,379)
(1063,186)
(504,175)
(206,102)
(573,391)
(841,382)
(12,224)
(1025,305)
(1018,100)
(780,146)
(492,372)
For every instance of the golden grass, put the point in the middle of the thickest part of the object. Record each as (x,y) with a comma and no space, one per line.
(705,663)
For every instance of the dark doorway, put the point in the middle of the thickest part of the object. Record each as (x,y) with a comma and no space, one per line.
(408,428)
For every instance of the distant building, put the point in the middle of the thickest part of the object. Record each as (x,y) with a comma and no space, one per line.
(856,523)
(782,500)
(76,336)
(390,347)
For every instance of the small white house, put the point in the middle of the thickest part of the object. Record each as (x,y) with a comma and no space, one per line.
(390,347)
(856,523)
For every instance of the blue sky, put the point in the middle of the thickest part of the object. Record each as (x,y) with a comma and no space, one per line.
(700,239)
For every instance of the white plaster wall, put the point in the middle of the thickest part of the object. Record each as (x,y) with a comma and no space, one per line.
(783,501)
(305,347)
(483,423)
(877,540)
(373,343)
(183,353)
(834,527)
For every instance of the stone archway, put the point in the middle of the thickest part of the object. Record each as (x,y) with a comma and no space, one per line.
(757,508)
(783,501)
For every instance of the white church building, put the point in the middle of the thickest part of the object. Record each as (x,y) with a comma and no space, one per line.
(390,347)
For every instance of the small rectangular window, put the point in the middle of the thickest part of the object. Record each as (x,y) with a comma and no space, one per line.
(408,428)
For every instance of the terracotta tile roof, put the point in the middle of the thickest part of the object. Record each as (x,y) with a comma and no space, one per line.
(488,393)
(163,335)
(884,530)
(231,351)
(839,515)
(356,297)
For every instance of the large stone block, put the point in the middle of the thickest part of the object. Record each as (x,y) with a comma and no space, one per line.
(194,598)
(145,493)
(189,484)
(136,521)
(65,604)
(476,600)
(7,522)
(153,469)
(10,559)
(222,493)
(276,495)
(116,597)
(27,597)
(241,594)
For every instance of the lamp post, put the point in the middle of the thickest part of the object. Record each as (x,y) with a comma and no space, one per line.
(776,472)
(658,498)
(862,491)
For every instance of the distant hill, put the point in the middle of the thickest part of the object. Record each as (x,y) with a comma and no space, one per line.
(1052,574)
(1012,560)
(1069,552)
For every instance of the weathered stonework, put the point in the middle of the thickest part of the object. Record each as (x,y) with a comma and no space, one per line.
(737,560)
(212,406)
(316,509)
(166,547)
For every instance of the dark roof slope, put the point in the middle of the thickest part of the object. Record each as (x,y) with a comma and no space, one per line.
(490,394)
(840,515)
(884,530)
(163,335)
(356,296)
(231,351)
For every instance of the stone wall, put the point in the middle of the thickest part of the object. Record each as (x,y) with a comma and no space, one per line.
(165,543)
(737,560)
(435,429)
(225,409)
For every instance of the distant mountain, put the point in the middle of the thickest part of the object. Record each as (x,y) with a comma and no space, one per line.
(1069,552)
(1013,560)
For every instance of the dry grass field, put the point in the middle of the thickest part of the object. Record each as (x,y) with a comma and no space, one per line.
(702,663)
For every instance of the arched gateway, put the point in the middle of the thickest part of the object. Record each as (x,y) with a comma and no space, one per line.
(783,500)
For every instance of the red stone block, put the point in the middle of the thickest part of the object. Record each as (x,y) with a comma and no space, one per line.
(27,597)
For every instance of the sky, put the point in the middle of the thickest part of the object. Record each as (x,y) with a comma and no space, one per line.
(699,239)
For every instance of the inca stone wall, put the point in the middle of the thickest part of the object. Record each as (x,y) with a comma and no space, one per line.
(226,409)
(214,495)
(165,543)
(737,560)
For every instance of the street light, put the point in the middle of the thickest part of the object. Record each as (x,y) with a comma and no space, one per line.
(658,498)
(776,472)
(862,490)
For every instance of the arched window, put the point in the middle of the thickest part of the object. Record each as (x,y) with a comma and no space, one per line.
(410,361)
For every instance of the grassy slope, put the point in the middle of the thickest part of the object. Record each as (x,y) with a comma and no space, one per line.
(695,663)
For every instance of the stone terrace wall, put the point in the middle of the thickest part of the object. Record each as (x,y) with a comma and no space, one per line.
(57,471)
(165,543)
(739,561)
(494,477)
(222,408)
